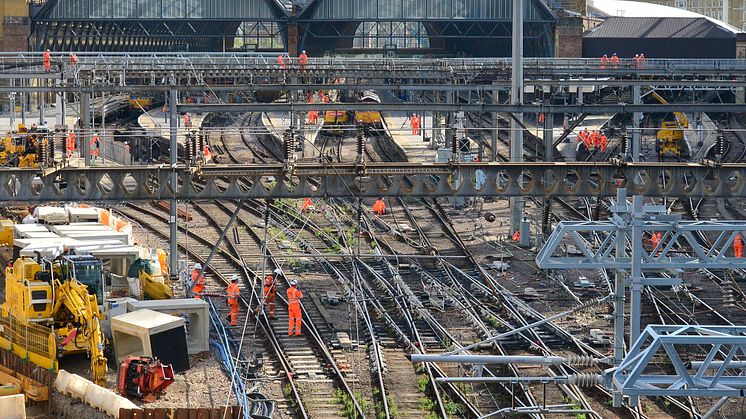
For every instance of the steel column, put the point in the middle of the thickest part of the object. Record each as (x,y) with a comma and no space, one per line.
(620,291)
(636,134)
(636,268)
(516,98)
(173,154)
(85,134)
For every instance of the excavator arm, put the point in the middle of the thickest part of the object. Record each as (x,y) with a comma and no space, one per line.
(681,119)
(73,297)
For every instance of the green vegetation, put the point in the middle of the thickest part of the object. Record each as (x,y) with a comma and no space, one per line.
(393,408)
(347,406)
(422,383)
(492,320)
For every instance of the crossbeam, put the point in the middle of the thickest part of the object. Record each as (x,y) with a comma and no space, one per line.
(347,180)
(593,109)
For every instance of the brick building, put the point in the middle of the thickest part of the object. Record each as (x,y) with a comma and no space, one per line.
(15,25)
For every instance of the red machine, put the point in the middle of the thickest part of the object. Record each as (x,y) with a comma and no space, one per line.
(144,377)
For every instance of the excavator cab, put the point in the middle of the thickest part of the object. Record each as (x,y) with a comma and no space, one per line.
(87,269)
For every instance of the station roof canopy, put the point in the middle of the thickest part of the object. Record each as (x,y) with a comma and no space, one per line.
(659,27)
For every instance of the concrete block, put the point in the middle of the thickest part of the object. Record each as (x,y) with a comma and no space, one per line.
(148,332)
(13,407)
(196,315)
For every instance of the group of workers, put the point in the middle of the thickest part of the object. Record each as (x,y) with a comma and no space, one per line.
(282,60)
(269,292)
(657,237)
(595,140)
(313,116)
(613,61)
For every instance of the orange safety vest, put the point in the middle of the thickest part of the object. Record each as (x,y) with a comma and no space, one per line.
(233,292)
(307,203)
(270,286)
(516,236)
(738,242)
(47,58)
(303,59)
(294,296)
(281,61)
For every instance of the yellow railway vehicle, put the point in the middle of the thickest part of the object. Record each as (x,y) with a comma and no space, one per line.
(140,103)
(369,118)
(335,122)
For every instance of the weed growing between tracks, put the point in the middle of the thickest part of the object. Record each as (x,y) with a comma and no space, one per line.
(348,407)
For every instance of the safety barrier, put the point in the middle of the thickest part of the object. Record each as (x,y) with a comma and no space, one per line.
(234,412)
(29,342)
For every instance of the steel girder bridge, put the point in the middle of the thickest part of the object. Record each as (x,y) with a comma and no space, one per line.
(347,180)
(409,27)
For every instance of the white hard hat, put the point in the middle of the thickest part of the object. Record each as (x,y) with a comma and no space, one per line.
(197,265)
(234,278)
(278,271)
(293,282)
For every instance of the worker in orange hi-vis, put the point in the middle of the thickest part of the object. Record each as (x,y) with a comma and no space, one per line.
(604,62)
(206,154)
(641,61)
(281,61)
(738,246)
(636,60)
(593,140)
(270,293)
(303,59)
(603,142)
(655,240)
(70,144)
(415,123)
(614,60)
(379,207)
(187,120)
(307,204)
(198,281)
(47,61)
(294,311)
(516,236)
(540,118)
(233,292)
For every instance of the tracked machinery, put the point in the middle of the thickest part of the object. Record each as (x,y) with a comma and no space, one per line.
(51,311)
(670,135)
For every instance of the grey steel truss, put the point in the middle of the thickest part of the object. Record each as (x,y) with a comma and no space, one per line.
(347,180)
(720,373)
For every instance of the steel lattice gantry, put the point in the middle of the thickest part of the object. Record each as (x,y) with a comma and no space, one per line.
(148,25)
(479,28)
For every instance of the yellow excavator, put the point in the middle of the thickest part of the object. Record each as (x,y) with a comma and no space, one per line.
(671,133)
(51,310)
(21,148)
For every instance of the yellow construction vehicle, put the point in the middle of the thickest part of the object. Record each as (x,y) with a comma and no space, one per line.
(21,148)
(671,133)
(49,311)
(153,280)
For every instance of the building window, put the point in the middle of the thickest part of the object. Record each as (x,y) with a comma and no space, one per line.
(393,35)
(681,4)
